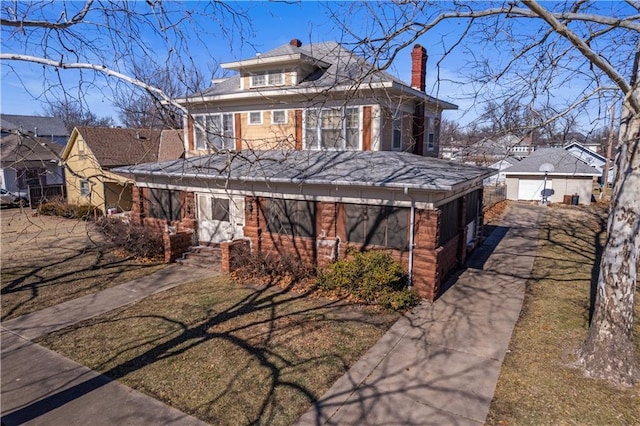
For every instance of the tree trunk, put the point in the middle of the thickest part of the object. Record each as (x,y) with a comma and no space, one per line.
(609,351)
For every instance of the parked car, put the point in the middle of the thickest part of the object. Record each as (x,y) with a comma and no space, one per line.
(9,198)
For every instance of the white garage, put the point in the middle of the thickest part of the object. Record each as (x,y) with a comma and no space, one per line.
(566,175)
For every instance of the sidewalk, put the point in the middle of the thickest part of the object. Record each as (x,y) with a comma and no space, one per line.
(440,364)
(41,387)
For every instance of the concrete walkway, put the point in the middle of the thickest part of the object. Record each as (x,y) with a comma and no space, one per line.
(41,387)
(440,364)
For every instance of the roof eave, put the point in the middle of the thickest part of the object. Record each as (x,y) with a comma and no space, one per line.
(259,62)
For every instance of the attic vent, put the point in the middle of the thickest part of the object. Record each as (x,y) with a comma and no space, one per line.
(139,136)
(295,42)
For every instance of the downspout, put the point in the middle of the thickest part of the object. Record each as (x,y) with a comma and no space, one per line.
(412,220)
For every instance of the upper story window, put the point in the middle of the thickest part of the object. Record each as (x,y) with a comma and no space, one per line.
(279,117)
(255,117)
(214,131)
(396,137)
(81,148)
(431,144)
(332,128)
(266,78)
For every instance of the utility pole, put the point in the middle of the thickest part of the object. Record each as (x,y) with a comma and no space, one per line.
(607,164)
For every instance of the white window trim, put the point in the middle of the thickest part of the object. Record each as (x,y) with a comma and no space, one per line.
(226,145)
(284,112)
(318,146)
(267,75)
(83,183)
(249,118)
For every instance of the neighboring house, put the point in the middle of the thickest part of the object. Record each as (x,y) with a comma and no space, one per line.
(590,157)
(50,128)
(565,175)
(312,206)
(500,166)
(28,162)
(488,151)
(316,97)
(92,152)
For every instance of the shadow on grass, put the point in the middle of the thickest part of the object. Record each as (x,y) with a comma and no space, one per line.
(265,300)
(60,279)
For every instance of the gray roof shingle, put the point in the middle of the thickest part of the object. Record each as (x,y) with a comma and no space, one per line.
(347,68)
(563,162)
(46,126)
(349,168)
(15,148)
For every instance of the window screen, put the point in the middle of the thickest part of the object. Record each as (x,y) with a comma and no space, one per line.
(377,225)
(165,204)
(291,217)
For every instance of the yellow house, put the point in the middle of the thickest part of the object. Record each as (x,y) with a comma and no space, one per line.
(92,152)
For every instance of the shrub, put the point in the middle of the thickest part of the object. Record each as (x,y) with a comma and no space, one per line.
(135,239)
(371,277)
(59,207)
(259,264)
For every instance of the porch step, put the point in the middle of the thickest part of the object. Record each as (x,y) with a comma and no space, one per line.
(202,257)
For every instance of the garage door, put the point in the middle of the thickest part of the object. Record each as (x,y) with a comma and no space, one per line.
(531,189)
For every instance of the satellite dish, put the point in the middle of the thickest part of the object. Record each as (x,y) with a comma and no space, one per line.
(546,167)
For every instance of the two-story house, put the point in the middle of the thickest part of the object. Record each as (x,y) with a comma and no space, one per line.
(310,150)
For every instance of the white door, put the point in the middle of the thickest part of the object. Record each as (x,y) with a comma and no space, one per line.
(220,218)
(531,189)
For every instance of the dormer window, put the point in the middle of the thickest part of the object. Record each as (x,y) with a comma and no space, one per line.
(267,78)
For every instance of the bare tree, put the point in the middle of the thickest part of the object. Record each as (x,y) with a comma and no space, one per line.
(73,114)
(560,45)
(140,108)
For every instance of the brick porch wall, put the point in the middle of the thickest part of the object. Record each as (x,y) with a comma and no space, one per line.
(176,244)
(432,262)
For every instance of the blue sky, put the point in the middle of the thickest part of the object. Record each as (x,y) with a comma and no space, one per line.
(272,24)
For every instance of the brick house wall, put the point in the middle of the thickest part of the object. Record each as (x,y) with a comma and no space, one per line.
(433,262)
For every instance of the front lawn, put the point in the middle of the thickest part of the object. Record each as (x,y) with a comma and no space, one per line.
(538,384)
(226,353)
(49,260)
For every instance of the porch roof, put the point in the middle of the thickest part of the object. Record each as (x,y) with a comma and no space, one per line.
(394,170)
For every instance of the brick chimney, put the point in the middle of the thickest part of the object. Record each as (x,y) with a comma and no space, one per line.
(295,42)
(418,67)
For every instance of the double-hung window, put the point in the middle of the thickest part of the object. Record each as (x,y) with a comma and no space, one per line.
(279,117)
(264,79)
(255,117)
(214,131)
(396,136)
(333,128)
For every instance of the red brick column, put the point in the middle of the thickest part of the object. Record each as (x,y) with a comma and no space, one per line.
(426,268)
(232,253)
(326,234)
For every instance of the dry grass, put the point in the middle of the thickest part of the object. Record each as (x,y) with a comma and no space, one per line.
(49,260)
(227,353)
(538,384)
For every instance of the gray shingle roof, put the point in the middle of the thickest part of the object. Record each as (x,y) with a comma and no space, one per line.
(347,68)
(16,148)
(47,126)
(349,168)
(563,162)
